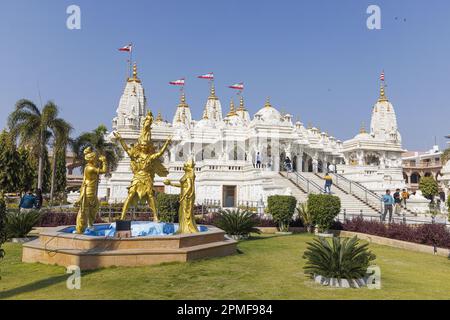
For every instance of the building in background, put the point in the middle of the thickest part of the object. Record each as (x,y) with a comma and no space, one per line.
(417,165)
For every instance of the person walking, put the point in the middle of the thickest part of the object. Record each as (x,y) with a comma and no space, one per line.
(388,201)
(258,160)
(28,202)
(288,164)
(398,202)
(405,197)
(328,183)
(332,168)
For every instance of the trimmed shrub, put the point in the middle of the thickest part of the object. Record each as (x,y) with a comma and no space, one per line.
(19,224)
(324,209)
(167,206)
(237,222)
(343,258)
(282,210)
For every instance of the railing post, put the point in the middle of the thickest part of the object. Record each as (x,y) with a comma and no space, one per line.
(361,213)
(345,215)
(404,218)
(433,219)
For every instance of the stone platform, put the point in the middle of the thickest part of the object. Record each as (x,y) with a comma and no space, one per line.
(88,252)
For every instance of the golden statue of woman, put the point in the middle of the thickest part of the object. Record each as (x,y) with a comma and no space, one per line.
(187,199)
(88,200)
(145,163)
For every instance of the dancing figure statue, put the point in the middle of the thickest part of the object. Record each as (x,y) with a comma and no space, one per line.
(88,202)
(145,163)
(187,199)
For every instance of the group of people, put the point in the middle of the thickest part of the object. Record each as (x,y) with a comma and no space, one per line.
(394,203)
(30,201)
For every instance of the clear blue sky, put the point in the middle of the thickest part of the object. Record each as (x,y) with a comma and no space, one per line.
(315,59)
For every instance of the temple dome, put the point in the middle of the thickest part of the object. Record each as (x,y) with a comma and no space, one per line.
(268,113)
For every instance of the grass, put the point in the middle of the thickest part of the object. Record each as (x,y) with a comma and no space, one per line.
(267,267)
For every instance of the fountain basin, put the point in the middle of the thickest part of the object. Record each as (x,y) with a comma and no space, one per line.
(151,243)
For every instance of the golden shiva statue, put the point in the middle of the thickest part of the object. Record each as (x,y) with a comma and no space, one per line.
(187,199)
(145,163)
(88,201)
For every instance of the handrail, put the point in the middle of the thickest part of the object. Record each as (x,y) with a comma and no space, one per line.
(370,197)
(308,185)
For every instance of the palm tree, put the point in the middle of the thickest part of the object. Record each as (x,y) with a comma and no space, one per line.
(35,127)
(96,140)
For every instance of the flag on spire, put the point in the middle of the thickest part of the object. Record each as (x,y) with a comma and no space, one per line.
(127,48)
(382,76)
(237,86)
(179,82)
(209,76)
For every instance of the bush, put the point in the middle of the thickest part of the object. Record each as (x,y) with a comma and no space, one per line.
(19,224)
(3,236)
(429,234)
(282,209)
(429,187)
(344,258)
(324,209)
(305,216)
(237,222)
(167,206)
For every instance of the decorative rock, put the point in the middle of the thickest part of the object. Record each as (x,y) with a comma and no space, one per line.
(342,283)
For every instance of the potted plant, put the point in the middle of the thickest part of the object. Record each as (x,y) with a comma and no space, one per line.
(19,224)
(339,262)
(238,224)
(282,209)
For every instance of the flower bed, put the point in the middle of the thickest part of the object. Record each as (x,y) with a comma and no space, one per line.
(428,234)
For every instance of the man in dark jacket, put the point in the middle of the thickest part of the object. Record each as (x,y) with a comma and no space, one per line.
(28,202)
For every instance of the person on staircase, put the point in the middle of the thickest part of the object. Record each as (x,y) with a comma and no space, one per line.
(398,202)
(388,202)
(328,183)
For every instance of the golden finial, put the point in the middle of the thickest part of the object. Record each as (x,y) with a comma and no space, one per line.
(183,103)
(363,128)
(212,95)
(268,105)
(241,104)
(382,95)
(135,75)
(232,109)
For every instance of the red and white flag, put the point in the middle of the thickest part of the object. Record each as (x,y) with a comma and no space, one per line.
(127,48)
(209,76)
(179,82)
(382,76)
(237,86)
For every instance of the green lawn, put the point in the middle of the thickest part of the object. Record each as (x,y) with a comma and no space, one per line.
(267,267)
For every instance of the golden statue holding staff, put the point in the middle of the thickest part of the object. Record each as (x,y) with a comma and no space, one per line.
(88,200)
(145,163)
(187,199)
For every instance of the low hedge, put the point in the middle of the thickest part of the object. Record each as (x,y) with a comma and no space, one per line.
(324,209)
(429,234)
(282,209)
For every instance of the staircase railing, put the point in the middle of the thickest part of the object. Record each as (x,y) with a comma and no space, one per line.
(358,190)
(307,185)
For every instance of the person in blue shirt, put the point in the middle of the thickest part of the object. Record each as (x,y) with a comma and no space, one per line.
(28,202)
(388,201)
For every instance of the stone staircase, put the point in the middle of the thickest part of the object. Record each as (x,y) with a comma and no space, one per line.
(297,191)
(352,204)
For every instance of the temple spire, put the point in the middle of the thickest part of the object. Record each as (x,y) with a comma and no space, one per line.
(382,94)
(363,128)
(212,94)
(268,105)
(183,103)
(241,104)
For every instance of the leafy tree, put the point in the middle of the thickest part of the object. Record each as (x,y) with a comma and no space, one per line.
(2,224)
(27,173)
(429,187)
(323,208)
(282,209)
(445,156)
(34,128)
(9,164)
(96,140)
(60,173)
